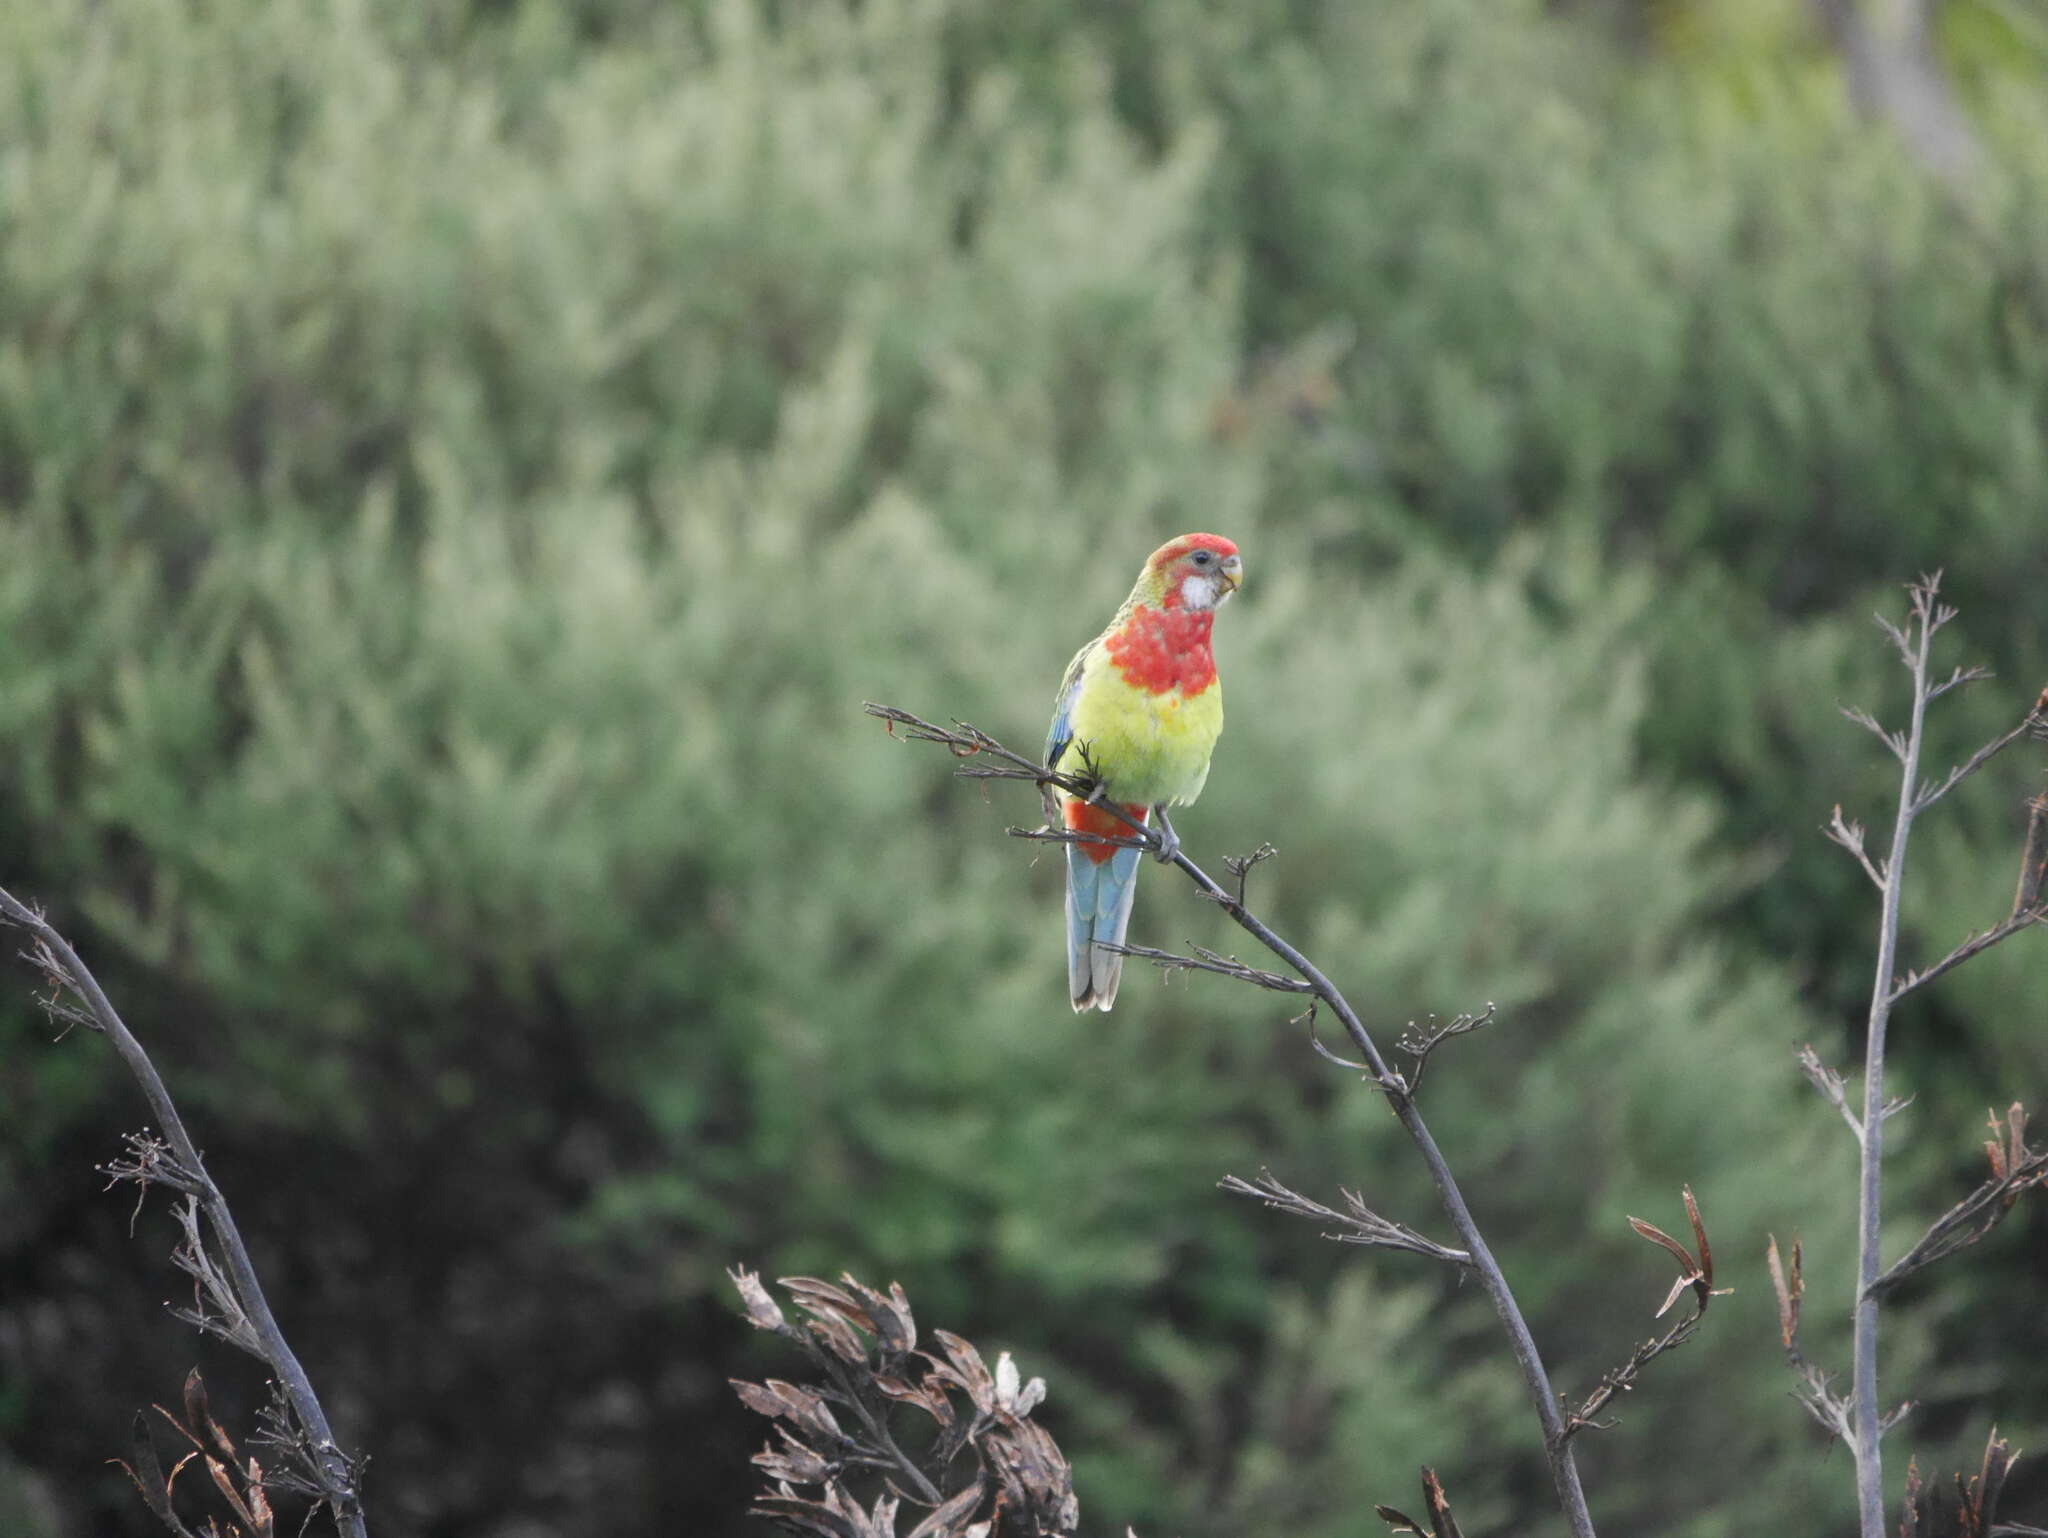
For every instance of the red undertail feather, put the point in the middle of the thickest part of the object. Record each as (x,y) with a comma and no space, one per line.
(1084,818)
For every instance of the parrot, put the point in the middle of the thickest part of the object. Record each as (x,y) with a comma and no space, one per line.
(1138,714)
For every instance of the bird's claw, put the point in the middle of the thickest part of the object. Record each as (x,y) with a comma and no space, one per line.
(1169,844)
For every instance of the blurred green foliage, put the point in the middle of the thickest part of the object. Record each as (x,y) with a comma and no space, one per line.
(463,464)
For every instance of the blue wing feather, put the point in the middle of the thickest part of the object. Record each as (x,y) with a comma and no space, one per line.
(1062,733)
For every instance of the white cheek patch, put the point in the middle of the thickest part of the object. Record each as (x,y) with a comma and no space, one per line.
(1198,592)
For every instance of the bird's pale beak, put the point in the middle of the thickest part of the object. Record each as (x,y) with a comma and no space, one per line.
(1233,571)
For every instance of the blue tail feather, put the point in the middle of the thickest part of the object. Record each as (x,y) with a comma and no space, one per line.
(1098,909)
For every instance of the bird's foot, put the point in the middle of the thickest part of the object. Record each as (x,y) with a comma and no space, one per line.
(1169,841)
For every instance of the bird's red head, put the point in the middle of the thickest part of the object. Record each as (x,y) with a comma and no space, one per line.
(1195,571)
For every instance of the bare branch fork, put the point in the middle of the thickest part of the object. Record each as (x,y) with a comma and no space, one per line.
(228,1298)
(1205,960)
(966,741)
(1858,1420)
(1360,1225)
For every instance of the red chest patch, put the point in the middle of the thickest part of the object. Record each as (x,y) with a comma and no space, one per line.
(1161,649)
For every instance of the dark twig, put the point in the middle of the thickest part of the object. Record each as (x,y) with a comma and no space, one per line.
(1316,1041)
(1361,1225)
(2015,1168)
(1070,836)
(1418,1041)
(215,1310)
(1210,961)
(967,740)
(1695,1271)
(228,1286)
(1621,1379)
(1241,865)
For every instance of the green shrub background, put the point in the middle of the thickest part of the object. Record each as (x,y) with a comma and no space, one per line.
(463,464)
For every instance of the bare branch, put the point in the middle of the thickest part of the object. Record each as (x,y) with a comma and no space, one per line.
(1829,1083)
(1974,945)
(963,740)
(1895,742)
(1308,1016)
(1619,1380)
(1210,961)
(1958,679)
(2015,1168)
(215,1310)
(1360,1226)
(244,1317)
(1240,865)
(1929,794)
(1419,1041)
(1069,836)
(1897,637)
(1830,1411)
(150,1162)
(1850,836)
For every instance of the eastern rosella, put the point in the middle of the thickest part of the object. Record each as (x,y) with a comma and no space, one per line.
(1138,713)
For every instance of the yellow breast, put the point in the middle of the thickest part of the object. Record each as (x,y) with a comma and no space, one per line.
(1146,747)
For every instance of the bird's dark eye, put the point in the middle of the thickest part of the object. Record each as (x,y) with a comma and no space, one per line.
(1202,558)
